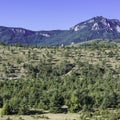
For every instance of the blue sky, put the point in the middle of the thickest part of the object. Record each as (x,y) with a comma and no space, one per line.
(54,14)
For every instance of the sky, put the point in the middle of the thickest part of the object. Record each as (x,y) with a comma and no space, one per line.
(54,14)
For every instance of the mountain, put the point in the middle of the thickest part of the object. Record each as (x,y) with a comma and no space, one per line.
(94,28)
(11,35)
(99,27)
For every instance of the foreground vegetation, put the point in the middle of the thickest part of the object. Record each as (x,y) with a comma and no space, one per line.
(83,78)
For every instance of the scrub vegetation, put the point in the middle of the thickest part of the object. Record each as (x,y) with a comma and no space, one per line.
(40,80)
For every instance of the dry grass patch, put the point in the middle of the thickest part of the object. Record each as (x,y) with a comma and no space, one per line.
(44,117)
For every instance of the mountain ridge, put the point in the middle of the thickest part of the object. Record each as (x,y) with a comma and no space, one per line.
(97,20)
(97,27)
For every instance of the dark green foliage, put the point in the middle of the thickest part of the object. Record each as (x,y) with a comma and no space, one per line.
(56,102)
(6,110)
(1,101)
(23,107)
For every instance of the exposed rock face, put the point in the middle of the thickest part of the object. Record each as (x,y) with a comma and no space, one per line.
(99,23)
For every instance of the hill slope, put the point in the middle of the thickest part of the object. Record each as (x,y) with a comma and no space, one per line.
(83,78)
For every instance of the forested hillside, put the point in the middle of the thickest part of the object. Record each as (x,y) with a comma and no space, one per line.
(82,78)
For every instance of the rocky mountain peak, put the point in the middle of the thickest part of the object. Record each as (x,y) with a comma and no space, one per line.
(99,23)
